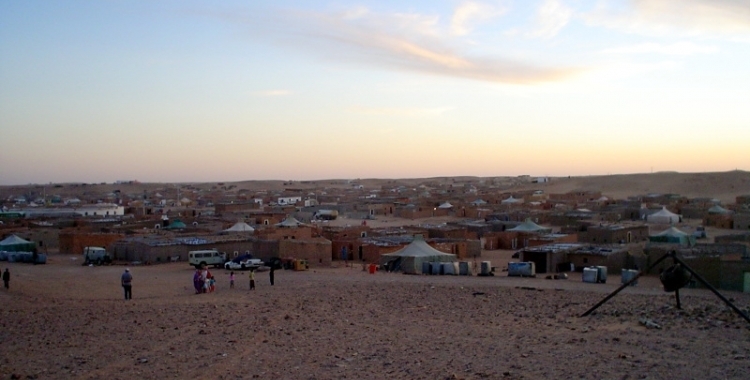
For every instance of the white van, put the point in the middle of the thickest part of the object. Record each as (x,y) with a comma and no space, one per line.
(207,257)
(96,255)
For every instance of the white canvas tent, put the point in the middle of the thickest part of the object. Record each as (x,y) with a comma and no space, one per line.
(510,200)
(410,258)
(529,226)
(240,227)
(663,216)
(445,205)
(289,222)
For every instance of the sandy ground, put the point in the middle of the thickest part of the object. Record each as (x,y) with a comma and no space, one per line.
(66,321)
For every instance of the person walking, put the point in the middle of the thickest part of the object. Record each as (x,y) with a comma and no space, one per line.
(6,279)
(251,276)
(127,283)
(231,280)
(270,274)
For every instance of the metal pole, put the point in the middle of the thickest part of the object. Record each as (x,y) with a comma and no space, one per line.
(704,282)
(607,298)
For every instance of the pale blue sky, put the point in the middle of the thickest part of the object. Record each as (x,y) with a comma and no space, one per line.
(183,91)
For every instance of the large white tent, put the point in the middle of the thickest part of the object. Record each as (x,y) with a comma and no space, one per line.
(240,227)
(529,226)
(289,222)
(663,216)
(410,258)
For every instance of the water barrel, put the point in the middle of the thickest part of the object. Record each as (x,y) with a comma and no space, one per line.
(448,268)
(463,268)
(601,274)
(486,268)
(435,268)
(590,275)
(426,268)
(629,274)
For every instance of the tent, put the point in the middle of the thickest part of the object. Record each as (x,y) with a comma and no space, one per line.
(289,222)
(529,226)
(663,216)
(510,200)
(718,210)
(446,205)
(674,236)
(176,225)
(14,243)
(240,227)
(410,258)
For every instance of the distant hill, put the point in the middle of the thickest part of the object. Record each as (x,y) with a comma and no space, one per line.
(725,186)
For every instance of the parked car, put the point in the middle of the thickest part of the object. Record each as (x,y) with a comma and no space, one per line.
(243,262)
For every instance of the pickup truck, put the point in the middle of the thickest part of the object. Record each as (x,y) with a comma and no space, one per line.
(243,262)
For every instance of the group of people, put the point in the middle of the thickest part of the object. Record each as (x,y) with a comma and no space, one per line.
(204,281)
(251,277)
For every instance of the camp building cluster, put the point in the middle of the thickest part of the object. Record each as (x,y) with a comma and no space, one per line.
(328,221)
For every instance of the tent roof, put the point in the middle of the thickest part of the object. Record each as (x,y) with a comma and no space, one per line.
(511,200)
(177,224)
(240,227)
(664,212)
(718,210)
(418,248)
(673,232)
(528,225)
(13,240)
(289,221)
(446,205)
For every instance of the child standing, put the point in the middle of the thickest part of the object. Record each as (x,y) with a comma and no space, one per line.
(231,280)
(252,279)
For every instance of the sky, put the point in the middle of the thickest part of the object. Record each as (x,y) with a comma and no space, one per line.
(204,91)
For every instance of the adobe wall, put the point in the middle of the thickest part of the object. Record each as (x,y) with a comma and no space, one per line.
(317,252)
(74,242)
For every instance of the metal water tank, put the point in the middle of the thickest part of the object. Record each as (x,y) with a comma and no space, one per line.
(463,268)
(590,275)
(601,274)
(629,274)
(425,267)
(486,268)
(448,268)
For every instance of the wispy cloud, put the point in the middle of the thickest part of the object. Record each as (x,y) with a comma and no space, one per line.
(551,17)
(270,93)
(399,111)
(679,48)
(721,18)
(470,13)
(398,41)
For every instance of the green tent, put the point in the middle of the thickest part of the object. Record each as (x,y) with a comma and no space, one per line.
(410,258)
(14,243)
(674,236)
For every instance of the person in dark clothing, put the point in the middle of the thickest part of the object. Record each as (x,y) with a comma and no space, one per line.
(127,284)
(6,278)
(270,274)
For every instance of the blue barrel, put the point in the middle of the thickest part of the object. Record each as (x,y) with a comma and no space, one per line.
(436,268)
(425,267)
(463,268)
